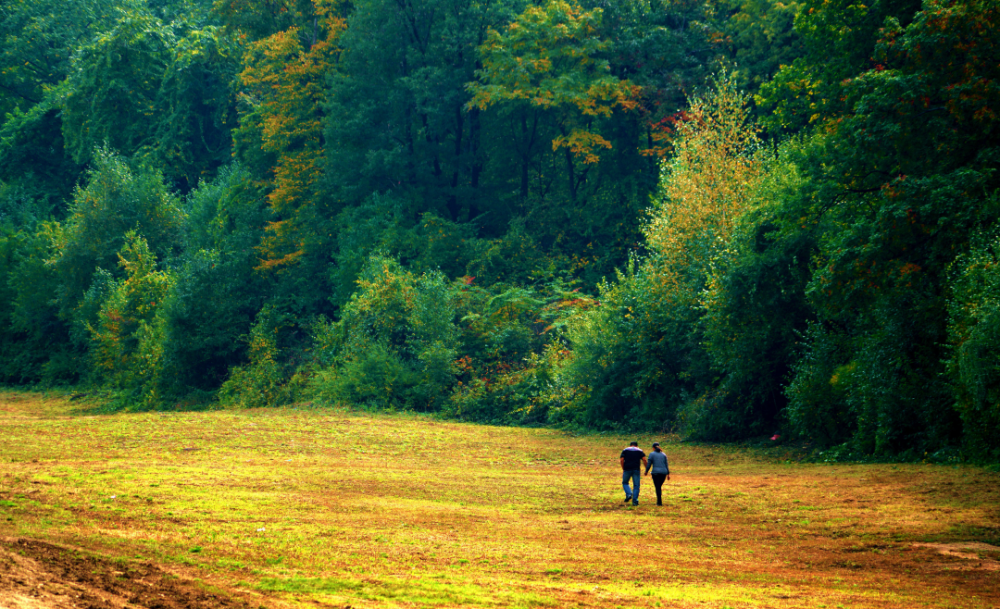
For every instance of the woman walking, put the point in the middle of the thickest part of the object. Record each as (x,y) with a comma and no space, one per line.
(661,469)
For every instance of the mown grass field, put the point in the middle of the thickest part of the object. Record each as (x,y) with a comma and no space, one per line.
(318,507)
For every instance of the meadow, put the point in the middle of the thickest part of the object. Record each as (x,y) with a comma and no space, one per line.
(322,507)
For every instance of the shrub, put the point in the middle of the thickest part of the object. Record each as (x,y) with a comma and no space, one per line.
(262,381)
(394,346)
(127,339)
(634,353)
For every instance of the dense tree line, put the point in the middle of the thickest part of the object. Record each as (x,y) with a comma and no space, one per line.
(726,218)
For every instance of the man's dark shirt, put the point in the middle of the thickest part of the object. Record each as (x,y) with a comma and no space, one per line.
(633,458)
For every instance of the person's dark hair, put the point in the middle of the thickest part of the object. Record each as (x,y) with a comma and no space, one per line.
(633,443)
(656,447)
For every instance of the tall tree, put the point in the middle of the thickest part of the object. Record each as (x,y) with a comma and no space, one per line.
(839,39)
(397,116)
(117,199)
(547,60)
(903,181)
(281,132)
(158,91)
(38,41)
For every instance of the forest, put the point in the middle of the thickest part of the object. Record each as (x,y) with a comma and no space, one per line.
(726,218)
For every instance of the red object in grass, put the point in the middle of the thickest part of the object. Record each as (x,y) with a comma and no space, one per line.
(775,437)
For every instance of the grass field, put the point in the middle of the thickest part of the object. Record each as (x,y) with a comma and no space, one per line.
(319,507)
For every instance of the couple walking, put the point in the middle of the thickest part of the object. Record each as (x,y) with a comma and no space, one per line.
(631,459)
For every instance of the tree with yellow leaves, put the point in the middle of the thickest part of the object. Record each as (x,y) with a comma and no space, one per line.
(639,356)
(549,61)
(705,186)
(284,90)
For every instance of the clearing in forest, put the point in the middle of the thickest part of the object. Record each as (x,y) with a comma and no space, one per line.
(319,507)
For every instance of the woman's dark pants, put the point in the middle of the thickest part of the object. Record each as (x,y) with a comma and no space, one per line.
(658,482)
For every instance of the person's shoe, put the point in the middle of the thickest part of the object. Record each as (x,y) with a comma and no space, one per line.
(627,498)
(659,503)
(635,503)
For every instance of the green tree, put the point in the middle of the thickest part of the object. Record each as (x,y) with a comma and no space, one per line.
(117,199)
(900,184)
(37,341)
(755,309)
(258,19)
(974,338)
(218,293)
(760,38)
(127,337)
(156,91)
(577,105)
(396,114)
(839,40)
(396,343)
(640,355)
(38,41)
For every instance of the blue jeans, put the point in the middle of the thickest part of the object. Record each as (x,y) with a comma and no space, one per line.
(634,475)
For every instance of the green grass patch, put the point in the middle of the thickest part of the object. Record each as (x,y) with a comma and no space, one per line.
(415,592)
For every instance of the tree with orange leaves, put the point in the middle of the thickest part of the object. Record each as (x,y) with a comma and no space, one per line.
(281,128)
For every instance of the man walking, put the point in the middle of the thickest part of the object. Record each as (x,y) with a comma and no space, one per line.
(632,458)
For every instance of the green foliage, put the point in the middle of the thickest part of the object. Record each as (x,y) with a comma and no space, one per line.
(635,359)
(260,19)
(575,95)
(110,96)
(760,38)
(903,182)
(395,344)
(396,119)
(24,204)
(380,225)
(418,342)
(27,327)
(37,339)
(547,59)
(263,380)
(754,312)
(818,393)
(36,174)
(195,106)
(218,292)
(39,38)
(143,72)
(425,192)
(529,394)
(642,354)
(127,338)
(116,199)
(513,259)
(974,336)
(839,39)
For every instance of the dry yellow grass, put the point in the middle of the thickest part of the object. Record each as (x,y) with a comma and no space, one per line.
(310,506)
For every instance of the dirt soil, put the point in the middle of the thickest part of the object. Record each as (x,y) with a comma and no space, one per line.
(979,553)
(39,575)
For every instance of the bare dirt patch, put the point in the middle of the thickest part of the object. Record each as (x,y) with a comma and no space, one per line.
(980,556)
(40,575)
